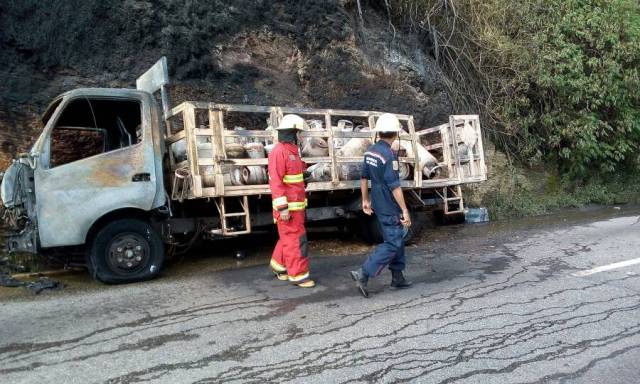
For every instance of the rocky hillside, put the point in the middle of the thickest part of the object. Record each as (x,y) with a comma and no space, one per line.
(316,53)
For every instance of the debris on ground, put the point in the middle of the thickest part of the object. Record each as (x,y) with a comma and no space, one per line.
(42,284)
(476,215)
(6,280)
(37,286)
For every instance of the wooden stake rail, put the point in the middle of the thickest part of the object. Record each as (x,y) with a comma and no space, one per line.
(445,138)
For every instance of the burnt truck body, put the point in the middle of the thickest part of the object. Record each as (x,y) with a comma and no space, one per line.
(121,174)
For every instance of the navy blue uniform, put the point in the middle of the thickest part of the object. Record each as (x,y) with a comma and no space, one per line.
(381,167)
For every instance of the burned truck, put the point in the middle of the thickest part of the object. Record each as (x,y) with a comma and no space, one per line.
(127,179)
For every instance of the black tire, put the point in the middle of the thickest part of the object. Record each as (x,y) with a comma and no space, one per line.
(371,232)
(348,230)
(369,229)
(417,223)
(450,219)
(125,251)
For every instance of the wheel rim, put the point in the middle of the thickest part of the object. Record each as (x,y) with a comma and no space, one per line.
(128,253)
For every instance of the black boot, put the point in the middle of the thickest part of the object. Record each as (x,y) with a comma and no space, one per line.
(361,279)
(398,280)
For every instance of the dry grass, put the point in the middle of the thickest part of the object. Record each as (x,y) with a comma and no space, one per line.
(475,43)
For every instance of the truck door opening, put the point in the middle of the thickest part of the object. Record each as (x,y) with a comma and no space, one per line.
(88,127)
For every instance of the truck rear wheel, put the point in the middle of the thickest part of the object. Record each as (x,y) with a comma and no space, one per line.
(125,251)
(450,219)
(371,232)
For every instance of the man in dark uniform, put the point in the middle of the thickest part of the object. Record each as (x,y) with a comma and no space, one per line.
(387,201)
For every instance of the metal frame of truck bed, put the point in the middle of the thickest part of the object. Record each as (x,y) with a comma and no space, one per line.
(195,120)
(184,117)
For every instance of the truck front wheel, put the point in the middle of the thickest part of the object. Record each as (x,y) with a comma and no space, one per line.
(125,251)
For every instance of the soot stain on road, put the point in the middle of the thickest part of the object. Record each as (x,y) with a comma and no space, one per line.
(547,267)
(157,341)
(471,241)
(485,306)
(496,265)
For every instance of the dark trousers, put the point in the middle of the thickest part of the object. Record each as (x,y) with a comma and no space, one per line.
(391,251)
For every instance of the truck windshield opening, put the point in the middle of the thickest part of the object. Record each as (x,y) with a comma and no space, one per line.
(88,127)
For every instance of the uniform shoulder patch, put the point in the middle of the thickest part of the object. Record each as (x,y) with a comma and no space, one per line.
(395,165)
(376,155)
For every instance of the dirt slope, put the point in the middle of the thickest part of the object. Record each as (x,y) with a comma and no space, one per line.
(314,53)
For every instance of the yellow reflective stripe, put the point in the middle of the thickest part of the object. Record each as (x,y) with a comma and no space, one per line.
(279,202)
(299,277)
(298,205)
(290,179)
(277,266)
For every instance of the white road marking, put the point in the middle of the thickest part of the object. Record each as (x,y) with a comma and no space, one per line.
(609,267)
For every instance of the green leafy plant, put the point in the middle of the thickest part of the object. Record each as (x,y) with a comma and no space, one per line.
(554,79)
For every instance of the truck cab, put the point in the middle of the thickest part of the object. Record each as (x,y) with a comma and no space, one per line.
(99,157)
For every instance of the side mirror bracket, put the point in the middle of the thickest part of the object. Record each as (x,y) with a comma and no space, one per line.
(29,158)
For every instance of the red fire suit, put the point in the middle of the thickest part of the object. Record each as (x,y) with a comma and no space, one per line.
(286,181)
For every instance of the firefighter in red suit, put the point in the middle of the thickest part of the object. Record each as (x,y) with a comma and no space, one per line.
(286,180)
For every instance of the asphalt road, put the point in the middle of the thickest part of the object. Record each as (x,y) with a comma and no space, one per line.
(499,303)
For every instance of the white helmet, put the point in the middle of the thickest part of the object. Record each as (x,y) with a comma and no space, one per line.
(388,122)
(292,122)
